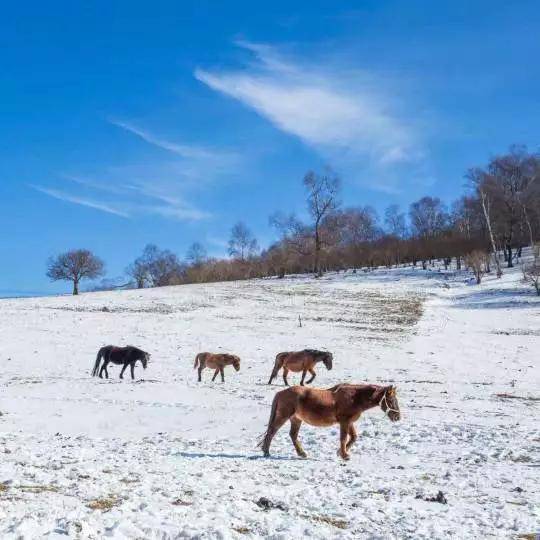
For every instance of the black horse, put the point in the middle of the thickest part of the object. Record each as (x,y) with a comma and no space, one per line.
(127,356)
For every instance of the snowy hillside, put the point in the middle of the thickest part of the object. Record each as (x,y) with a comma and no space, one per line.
(167,457)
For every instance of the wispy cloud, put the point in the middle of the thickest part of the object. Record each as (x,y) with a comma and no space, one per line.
(75,199)
(329,108)
(197,161)
(129,201)
(158,188)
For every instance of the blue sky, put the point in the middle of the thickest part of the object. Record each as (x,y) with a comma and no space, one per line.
(125,123)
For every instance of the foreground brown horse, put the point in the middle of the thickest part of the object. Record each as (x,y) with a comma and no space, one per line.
(303,361)
(342,404)
(217,362)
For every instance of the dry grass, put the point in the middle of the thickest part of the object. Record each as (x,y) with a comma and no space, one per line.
(39,489)
(523,398)
(181,502)
(3,487)
(329,520)
(104,503)
(129,480)
(241,530)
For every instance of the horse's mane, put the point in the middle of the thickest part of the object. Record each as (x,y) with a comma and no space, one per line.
(315,352)
(135,349)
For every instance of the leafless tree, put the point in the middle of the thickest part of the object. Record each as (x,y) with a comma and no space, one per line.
(196,254)
(138,271)
(242,243)
(74,266)
(477,261)
(394,219)
(531,275)
(322,199)
(156,267)
(428,217)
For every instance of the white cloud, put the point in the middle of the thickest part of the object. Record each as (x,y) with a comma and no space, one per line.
(326,107)
(147,200)
(195,158)
(75,199)
(157,187)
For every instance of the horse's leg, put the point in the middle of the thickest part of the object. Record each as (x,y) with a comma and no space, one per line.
(215,374)
(295,428)
(104,370)
(285,373)
(303,377)
(200,373)
(274,373)
(222,371)
(352,436)
(132,369)
(312,371)
(343,434)
(122,372)
(276,424)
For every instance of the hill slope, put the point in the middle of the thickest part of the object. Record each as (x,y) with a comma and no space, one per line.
(167,457)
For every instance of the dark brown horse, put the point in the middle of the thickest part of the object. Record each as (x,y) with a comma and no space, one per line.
(303,361)
(342,404)
(126,356)
(216,362)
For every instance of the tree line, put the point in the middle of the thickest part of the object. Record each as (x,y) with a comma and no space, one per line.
(499,213)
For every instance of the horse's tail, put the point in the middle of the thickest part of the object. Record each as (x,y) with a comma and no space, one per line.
(262,439)
(277,366)
(100,354)
(198,359)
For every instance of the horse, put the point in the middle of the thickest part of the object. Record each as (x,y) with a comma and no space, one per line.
(342,404)
(127,356)
(217,362)
(303,361)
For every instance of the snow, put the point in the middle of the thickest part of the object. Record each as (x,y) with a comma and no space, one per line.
(167,457)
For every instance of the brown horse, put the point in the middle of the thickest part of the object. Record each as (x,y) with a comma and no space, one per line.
(342,404)
(217,362)
(303,361)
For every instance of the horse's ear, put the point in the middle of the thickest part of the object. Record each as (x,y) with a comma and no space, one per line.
(391,390)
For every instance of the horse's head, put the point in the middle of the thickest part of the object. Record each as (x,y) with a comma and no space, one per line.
(236,362)
(145,359)
(389,403)
(327,358)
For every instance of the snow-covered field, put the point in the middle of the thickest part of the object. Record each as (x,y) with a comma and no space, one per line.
(167,457)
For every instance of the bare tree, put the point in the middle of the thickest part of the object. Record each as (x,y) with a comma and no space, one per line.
(322,200)
(477,261)
(196,254)
(395,221)
(531,275)
(74,266)
(156,267)
(138,271)
(242,243)
(428,217)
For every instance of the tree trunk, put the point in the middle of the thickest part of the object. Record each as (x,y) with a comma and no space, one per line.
(458,262)
(317,270)
(509,253)
(527,221)
(75,287)
(485,208)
